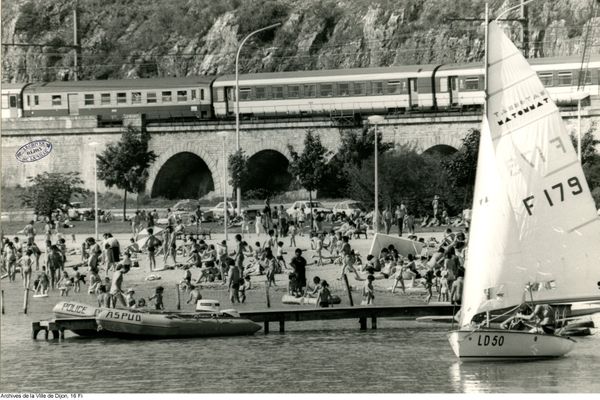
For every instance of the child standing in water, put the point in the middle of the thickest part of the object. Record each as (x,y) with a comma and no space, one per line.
(158,298)
(444,290)
(368,291)
(26,267)
(324,296)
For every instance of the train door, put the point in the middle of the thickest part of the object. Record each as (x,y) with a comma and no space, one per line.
(11,106)
(413,94)
(230,100)
(73,100)
(453,89)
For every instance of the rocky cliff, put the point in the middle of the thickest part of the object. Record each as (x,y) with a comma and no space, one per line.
(143,38)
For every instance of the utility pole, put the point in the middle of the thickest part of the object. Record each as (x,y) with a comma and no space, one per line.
(524,29)
(75,43)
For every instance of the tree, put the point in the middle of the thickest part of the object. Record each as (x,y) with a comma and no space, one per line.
(310,166)
(356,146)
(461,168)
(588,145)
(125,164)
(238,169)
(51,190)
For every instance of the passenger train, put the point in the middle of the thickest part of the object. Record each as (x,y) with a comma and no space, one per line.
(359,91)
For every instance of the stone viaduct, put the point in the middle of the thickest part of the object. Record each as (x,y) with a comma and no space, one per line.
(192,155)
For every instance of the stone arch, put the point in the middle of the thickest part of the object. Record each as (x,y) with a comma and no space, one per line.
(187,147)
(267,169)
(441,149)
(439,142)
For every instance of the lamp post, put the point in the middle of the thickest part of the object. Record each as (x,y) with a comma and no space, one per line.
(223,135)
(94,145)
(375,120)
(237,102)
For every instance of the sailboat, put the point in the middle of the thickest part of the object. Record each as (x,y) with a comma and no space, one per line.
(535,232)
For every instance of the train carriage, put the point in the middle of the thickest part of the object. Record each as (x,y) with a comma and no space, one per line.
(461,85)
(109,99)
(364,90)
(12,100)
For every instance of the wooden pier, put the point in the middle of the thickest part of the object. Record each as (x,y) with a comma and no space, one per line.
(362,314)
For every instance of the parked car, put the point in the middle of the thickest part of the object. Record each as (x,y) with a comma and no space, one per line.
(186,208)
(308,206)
(348,208)
(231,208)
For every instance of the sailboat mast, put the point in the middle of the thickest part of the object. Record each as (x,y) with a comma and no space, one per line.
(485,90)
(485,56)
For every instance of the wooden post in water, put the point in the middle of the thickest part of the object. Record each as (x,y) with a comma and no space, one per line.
(373,322)
(268,298)
(348,290)
(281,326)
(178,297)
(363,323)
(25,300)
(2,301)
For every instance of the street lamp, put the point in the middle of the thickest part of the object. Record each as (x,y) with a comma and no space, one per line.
(375,120)
(223,135)
(237,102)
(94,145)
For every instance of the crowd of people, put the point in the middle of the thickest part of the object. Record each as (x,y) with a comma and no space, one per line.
(177,246)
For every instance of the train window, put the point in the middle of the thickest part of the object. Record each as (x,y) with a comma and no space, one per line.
(166,96)
(377,87)
(344,89)
(393,87)
(13,101)
(105,98)
(182,95)
(28,100)
(88,99)
(310,90)
(193,92)
(136,97)
(326,90)
(261,93)
(4,101)
(293,91)
(201,94)
(56,99)
(278,92)
(547,78)
(245,93)
(359,88)
(443,85)
(121,98)
(36,100)
(588,77)
(565,78)
(472,83)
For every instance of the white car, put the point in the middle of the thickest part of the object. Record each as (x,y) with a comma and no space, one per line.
(315,205)
(217,211)
(348,208)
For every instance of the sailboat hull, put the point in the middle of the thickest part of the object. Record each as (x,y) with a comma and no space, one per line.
(504,345)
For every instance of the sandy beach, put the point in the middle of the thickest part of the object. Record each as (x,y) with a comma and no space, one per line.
(256,297)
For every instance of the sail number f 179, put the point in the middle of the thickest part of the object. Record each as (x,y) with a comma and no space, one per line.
(556,193)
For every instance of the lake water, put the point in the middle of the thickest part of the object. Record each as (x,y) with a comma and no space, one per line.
(324,356)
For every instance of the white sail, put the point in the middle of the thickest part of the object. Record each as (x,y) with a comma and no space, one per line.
(537,223)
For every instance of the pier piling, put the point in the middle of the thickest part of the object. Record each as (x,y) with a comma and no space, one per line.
(363,323)
(268,298)
(266,329)
(281,326)
(373,322)
(178,297)
(25,300)
(2,300)
(348,290)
